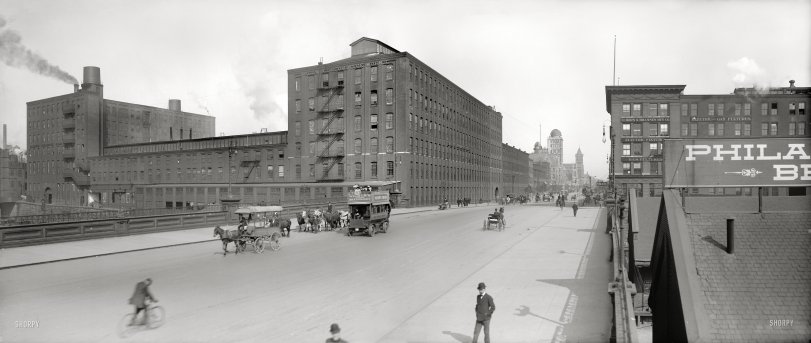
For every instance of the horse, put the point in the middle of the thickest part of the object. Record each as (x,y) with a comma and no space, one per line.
(301,217)
(314,217)
(227,236)
(332,220)
(283,224)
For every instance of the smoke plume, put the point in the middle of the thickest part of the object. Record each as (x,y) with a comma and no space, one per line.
(15,54)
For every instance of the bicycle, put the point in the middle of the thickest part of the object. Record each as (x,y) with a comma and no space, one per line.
(157,316)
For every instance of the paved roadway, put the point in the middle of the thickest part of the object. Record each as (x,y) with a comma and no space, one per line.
(547,272)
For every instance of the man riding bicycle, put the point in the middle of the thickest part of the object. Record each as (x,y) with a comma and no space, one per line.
(138,299)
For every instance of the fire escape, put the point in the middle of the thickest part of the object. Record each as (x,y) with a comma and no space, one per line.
(332,131)
(73,171)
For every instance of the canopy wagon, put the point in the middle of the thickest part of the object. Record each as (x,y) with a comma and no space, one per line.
(259,225)
(368,212)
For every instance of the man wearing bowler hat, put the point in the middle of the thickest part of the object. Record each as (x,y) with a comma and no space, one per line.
(484,310)
(335,330)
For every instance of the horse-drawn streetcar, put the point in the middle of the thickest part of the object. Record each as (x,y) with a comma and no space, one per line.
(369,212)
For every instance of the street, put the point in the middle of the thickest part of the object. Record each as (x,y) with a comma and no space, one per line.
(547,272)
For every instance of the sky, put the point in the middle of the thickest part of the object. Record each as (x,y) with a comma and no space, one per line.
(543,64)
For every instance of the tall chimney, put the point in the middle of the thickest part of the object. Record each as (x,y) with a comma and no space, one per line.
(174,105)
(91,80)
(791,83)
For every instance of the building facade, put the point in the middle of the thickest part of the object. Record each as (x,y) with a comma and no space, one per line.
(516,170)
(382,114)
(65,131)
(642,117)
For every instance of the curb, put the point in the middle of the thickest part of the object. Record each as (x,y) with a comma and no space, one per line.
(152,248)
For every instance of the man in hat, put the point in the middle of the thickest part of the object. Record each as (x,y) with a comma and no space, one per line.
(335,330)
(484,310)
(139,298)
(574,208)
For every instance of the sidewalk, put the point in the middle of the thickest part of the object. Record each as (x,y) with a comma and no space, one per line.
(53,252)
(550,287)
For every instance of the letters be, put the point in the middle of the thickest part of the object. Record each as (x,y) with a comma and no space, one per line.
(791,172)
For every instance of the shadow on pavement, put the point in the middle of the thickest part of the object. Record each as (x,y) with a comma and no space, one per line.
(587,314)
(458,336)
(525,311)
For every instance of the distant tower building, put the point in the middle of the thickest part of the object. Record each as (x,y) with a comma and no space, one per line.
(579,164)
(555,145)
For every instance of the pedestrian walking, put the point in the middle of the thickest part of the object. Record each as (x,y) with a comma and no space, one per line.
(484,310)
(574,209)
(335,330)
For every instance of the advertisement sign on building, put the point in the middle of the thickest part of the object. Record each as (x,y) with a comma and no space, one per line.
(737,162)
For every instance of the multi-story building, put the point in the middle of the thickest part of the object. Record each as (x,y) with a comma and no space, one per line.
(642,117)
(67,130)
(515,166)
(12,176)
(382,114)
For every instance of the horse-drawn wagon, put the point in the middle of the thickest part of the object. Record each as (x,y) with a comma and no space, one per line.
(369,212)
(258,226)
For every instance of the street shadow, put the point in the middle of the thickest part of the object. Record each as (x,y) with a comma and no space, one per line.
(458,336)
(525,311)
(587,312)
(712,241)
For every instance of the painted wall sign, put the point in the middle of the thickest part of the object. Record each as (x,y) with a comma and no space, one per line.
(744,118)
(737,162)
(644,119)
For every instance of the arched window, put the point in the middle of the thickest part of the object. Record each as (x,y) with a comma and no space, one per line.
(298,149)
(358,146)
(373,142)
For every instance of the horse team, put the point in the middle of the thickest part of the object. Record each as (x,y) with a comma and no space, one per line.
(316,220)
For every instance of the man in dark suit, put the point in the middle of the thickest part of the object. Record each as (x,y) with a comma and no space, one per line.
(484,310)
(138,299)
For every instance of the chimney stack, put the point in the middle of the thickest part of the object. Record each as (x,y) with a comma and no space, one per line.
(91,80)
(174,105)
(791,83)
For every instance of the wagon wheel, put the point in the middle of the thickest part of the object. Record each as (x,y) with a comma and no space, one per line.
(275,244)
(259,245)
(384,227)
(371,230)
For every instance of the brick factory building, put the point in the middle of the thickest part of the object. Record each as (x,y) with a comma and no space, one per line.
(12,176)
(382,114)
(515,166)
(65,131)
(642,117)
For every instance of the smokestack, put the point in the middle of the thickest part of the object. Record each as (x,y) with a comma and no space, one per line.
(92,75)
(174,105)
(791,83)
(5,133)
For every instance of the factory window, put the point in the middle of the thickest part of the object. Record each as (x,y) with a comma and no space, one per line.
(389,144)
(773,129)
(281,153)
(312,170)
(389,71)
(270,172)
(663,110)
(358,146)
(626,129)
(298,149)
(389,168)
(636,129)
(357,76)
(637,166)
(298,172)
(341,78)
(170,133)
(684,130)
(693,129)
(389,121)
(373,74)
(325,169)
(374,169)
(373,98)
(747,129)
(655,148)
(325,80)
(340,101)
(298,82)
(626,168)
(710,109)
(311,81)
(298,105)
(801,129)
(636,149)
(389,96)
(792,108)
(653,129)
(764,109)
(747,109)
(791,128)
(374,146)
(774,109)
(637,110)
(737,131)
(721,111)
(664,129)
(626,150)
(764,129)
(737,110)
(373,121)
(298,128)
(311,104)
(358,98)
(684,109)
(358,122)
(311,126)
(312,148)
(340,169)
(358,171)
(801,108)
(281,171)
(711,129)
